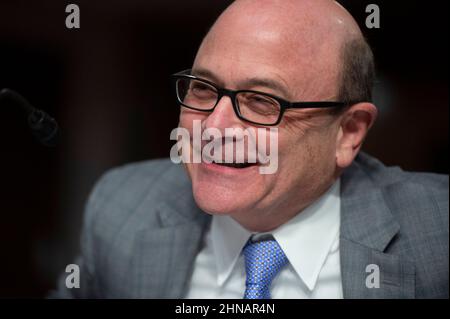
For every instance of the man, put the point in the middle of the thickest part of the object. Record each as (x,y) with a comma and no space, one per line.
(329,223)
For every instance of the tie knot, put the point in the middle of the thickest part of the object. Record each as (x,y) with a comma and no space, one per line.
(263,261)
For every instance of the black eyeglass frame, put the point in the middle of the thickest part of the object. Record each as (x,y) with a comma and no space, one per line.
(221,92)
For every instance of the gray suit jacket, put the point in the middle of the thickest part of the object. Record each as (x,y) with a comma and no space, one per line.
(142,231)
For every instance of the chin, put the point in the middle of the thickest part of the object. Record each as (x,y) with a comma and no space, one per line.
(221,203)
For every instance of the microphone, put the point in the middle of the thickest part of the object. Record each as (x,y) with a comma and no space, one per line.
(43,127)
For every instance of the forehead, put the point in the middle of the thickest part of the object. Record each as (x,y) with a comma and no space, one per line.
(249,47)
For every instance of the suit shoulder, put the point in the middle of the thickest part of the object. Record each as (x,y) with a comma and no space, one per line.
(138,173)
(129,178)
(394,176)
(412,196)
(120,190)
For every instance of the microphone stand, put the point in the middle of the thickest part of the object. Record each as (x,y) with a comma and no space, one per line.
(43,127)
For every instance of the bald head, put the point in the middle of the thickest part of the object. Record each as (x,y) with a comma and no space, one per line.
(302,42)
(300,19)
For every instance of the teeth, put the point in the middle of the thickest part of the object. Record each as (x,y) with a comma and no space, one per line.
(234,165)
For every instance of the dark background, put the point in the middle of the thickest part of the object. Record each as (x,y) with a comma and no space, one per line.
(108,85)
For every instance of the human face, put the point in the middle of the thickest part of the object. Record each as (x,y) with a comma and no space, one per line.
(266,62)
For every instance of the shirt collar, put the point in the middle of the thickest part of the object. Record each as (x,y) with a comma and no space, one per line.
(306,239)
(228,239)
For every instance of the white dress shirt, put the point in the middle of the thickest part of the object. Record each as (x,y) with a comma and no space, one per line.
(310,241)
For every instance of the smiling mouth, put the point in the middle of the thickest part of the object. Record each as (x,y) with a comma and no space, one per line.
(236,165)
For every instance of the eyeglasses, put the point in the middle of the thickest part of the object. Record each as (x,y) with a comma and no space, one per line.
(251,106)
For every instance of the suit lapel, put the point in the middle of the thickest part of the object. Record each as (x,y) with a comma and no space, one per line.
(396,275)
(367,229)
(165,252)
(165,263)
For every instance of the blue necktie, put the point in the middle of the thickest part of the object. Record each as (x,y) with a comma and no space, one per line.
(263,261)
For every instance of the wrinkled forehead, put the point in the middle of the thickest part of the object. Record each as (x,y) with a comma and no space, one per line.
(298,52)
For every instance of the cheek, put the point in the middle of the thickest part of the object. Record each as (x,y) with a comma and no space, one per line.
(188,116)
(306,153)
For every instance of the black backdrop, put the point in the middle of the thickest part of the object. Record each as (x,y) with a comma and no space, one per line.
(108,86)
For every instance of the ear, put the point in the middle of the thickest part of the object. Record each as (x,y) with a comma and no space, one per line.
(354,125)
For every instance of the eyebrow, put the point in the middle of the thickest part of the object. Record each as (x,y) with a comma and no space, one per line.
(263,82)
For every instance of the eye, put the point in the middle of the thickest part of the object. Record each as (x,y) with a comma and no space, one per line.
(260,103)
(202,90)
(260,99)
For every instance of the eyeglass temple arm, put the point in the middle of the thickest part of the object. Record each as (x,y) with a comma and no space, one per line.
(317,104)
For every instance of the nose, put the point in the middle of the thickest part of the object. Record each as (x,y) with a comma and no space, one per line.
(223,116)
